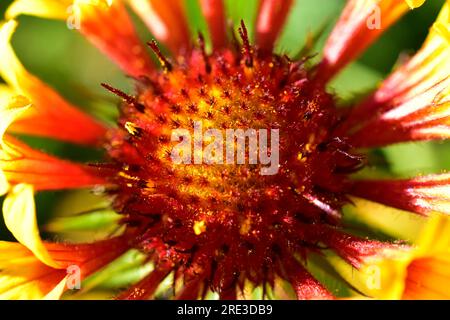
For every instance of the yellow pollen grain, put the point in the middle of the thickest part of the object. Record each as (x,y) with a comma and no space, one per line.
(216,92)
(127,176)
(300,190)
(245,226)
(131,128)
(199,227)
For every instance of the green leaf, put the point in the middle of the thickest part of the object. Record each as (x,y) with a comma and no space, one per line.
(305,19)
(196,20)
(238,10)
(91,221)
(410,159)
(354,82)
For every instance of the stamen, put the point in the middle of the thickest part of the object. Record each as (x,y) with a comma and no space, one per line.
(167,66)
(132,129)
(201,42)
(126,97)
(247,49)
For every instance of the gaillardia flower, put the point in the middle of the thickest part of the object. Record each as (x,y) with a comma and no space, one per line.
(217,230)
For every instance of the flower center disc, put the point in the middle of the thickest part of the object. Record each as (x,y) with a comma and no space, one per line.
(203,215)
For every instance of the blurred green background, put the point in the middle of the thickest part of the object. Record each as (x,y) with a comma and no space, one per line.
(62,58)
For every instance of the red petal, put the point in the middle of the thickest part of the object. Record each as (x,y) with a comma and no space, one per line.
(420,195)
(166,20)
(271,18)
(191,290)
(145,288)
(214,12)
(304,284)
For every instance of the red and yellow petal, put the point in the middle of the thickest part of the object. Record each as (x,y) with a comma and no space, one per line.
(414,102)
(21,164)
(109,27)
(421,195)
(27,270)
(23,276)
(361,24)
(105,23)
(32,269)
(19,214)
(166,20)
(428,274)
(50,115)
(428,278)
(421,273)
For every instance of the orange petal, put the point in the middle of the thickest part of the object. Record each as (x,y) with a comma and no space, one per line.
(166,20)
(22,164)
(105,23)
(110,28)
(271,18)
(428,279)
(89,256)
(361,23)
(428,274)
(50,115)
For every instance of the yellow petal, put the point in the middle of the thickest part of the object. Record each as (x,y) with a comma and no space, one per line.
(5,94)
(57,291)
(51,9)
(442,25)
(419,273)
(394,222)
(428,274)
(415,3)
(23,276)
(11,69)
(435,237)
(4,185)
(381,278)
(20,218)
